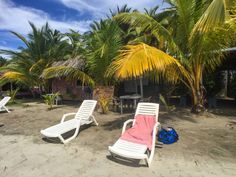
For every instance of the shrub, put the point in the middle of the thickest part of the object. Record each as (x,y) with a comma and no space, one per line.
(12,94)
(49,99)
(167,107)
(104,104)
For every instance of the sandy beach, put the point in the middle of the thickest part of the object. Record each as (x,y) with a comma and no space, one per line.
(206,148)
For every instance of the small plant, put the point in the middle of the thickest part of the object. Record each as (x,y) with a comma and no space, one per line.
(167,107)
(12,94)
(104,104)
(49,99)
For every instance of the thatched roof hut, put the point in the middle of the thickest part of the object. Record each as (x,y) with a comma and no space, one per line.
(74,63)
(69,89)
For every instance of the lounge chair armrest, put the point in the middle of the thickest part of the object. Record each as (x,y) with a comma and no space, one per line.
(66,115)
(125,124)
(154,133)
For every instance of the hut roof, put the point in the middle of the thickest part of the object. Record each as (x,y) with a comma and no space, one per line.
(75,63)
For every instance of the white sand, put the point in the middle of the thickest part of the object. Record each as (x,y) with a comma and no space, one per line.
(206,148)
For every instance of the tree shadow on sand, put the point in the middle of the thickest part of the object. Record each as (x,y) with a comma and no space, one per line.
(229,111)
(178,114)
(164,118)
(5,112)
(117,123)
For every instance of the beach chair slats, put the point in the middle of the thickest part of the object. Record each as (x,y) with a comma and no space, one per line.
(83,116)
(147,109)
(131,150)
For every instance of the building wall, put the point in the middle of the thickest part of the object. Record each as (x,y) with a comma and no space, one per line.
(68,89)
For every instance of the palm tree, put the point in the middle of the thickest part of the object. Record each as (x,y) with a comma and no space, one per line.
(97,48)
(103,44)
(42,47)
(195,37)
(74,65)
(77,45)
(3,61)
(120,10)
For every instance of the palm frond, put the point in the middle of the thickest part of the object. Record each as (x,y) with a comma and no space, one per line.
(137,60)
(12,76)
(102,48)
(214,15)
(69,73)
(149,24)
(22,38)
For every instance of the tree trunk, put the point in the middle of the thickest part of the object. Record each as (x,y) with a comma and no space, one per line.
(197,89)
(198,101)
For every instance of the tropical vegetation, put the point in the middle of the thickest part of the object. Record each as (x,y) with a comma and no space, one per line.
(178,44)
(50,99)
(196,34)
(12,94)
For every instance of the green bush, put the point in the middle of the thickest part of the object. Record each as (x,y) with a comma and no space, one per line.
(104,104)
(12,94)
(49,99)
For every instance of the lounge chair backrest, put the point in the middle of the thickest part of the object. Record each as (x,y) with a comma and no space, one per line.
(86,109)
(4,101)
(148,109)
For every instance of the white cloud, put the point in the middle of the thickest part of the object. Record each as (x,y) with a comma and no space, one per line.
(16,18)
(100,8)
(3,42)
(2,47)
(7,48)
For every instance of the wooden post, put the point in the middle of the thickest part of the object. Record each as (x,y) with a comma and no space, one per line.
(141,86)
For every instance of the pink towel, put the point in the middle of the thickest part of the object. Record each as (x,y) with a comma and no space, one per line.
(141,132)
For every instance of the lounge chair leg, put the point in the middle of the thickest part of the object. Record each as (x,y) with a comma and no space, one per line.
(148,162)
(67,140)
(62,139)
(113,155)
(71,138)
(6,109)
(95,121)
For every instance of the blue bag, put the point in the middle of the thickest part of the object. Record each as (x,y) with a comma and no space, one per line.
(168,136)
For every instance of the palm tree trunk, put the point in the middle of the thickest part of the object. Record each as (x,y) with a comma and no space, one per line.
(198,92)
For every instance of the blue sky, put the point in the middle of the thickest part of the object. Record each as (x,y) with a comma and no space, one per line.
(61,14)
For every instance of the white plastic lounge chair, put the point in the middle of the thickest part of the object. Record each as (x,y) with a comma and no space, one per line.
(83,116)
(130,150)
(3,103)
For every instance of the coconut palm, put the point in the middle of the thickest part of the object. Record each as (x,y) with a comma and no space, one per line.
(42,47)
(18,70)
(3,61)
(195,37)
(120,10)
(77,45)
(102,46)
